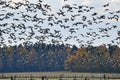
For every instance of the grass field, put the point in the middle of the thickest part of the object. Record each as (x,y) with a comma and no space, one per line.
(59,76)
(59,79)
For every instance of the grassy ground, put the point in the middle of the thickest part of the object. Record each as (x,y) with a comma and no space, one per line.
(59,79)
(58,75)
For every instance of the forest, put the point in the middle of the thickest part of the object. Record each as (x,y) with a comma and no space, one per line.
(42,57)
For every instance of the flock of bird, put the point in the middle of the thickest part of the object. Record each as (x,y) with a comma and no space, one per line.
(71,24)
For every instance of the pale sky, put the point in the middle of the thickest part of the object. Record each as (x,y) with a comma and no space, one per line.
(114,5)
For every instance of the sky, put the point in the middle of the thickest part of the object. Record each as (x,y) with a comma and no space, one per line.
(114,5)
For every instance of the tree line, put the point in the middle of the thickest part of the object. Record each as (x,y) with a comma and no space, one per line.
(41,57)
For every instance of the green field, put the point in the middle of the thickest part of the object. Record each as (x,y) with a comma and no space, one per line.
(59,79)
(59,76)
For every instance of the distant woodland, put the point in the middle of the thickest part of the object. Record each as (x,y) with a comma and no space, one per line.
(41,57)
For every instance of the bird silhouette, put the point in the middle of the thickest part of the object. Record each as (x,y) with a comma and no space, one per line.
(27,20)
(106,5)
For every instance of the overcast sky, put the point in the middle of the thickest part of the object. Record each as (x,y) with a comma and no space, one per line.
(114,5)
